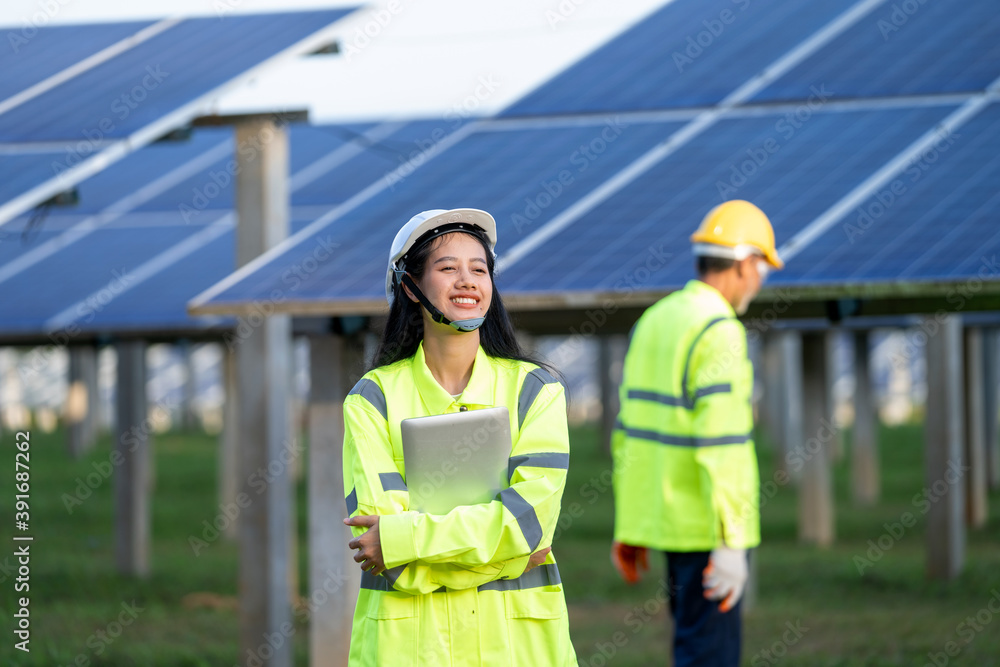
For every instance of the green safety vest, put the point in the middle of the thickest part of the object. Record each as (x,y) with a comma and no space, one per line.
(685,469)
(455,591)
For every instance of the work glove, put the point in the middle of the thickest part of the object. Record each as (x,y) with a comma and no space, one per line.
(726,576)
(630,561)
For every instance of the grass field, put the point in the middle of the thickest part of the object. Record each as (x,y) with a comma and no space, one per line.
(890,615)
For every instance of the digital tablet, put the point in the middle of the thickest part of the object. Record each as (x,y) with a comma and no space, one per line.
(459,458)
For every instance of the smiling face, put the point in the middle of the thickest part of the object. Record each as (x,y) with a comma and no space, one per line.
(456,278)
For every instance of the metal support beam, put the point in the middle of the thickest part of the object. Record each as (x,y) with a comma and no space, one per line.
(81,400)
(229,439)
(792,427)
(609,389)
(132,462)
(833,342)
(943,490)
(188,416)
(773,407)
(816,525)
(263,348)
(975,426)
(865,474)
(991,379)
(334,577)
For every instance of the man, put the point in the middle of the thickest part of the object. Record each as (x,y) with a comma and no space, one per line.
(686,479)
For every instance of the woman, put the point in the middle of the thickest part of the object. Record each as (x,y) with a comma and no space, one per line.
(477,586)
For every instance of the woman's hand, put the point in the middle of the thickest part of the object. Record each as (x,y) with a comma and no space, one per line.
(537,558)
(369,545)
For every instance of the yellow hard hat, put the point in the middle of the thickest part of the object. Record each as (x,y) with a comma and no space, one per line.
(733,230)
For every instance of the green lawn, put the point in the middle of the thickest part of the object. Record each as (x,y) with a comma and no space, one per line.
(888,616)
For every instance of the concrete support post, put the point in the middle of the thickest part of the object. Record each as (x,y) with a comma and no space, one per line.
(334,577)
(792,398)
(976,502)
(816,512)
(609,390)
(266,527)
(81,401)
(229,439)
(991,397)
(865,474)
(943,449)
(132,462)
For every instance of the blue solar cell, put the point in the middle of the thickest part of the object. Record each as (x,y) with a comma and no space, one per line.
(638,239)
(21,172)
(34,54)
(937,220)
(158,76)
(689,53)
(933,47)
(521,176)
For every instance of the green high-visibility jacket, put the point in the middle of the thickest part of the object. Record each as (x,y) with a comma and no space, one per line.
(685,469)
(455,591)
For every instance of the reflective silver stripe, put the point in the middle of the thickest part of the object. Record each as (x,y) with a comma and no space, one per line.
(530,387)
(711,389)
(525,515)
(383,582)
(540,460)
(666,399)
(688,401)
(685,440)
(392,481)
(352,501)
(543,575)
(370,390)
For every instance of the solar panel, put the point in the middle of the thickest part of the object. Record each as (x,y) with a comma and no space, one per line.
(904,49)
(522,176)
(132,237)
(689,53)
(938,220)
(793,174)
(119,98)
(34,54)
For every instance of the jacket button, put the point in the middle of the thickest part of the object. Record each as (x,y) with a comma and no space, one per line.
(463,408)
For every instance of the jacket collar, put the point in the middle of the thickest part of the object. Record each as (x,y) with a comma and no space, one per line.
(708,291)
(479,393)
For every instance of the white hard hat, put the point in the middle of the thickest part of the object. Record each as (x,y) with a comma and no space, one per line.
(430,221)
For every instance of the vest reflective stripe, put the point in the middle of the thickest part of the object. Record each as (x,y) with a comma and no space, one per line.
(530,387)
(687,441)
(687,363)
(392,481)
(540,460)
(543,575)
(712,389)
(370,390)
(525,515)
(678,401)
(352,502)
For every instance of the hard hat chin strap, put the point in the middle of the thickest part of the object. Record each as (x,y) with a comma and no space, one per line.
(464,326)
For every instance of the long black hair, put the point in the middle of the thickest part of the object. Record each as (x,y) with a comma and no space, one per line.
(405,327)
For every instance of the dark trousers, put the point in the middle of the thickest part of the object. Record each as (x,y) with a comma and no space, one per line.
(703,635)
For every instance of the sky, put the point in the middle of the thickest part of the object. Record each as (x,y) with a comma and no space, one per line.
(399,58)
